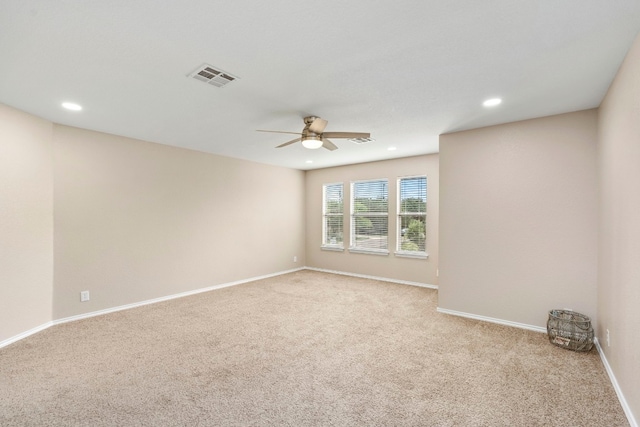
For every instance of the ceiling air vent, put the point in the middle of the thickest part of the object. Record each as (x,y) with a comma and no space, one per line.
(361,140)
(211,75)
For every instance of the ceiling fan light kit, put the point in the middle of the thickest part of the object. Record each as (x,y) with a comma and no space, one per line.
(312,143)
(313,135)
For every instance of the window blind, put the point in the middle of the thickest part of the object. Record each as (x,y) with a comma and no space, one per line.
(412,214)
(369,215)
(333,215)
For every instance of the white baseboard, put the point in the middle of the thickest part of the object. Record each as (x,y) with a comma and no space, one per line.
(25,334)
(492,320)
(612,377)
(169,297)
(137,304)
(616,386)
(42,327)
(382,279)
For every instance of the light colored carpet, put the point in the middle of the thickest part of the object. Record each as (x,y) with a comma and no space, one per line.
(301,349)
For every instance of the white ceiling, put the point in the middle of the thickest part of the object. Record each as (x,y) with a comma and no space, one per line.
(406,71)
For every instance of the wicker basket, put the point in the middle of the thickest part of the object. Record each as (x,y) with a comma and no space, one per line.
(571,330)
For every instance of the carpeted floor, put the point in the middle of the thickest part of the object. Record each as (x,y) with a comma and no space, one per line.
(302,349)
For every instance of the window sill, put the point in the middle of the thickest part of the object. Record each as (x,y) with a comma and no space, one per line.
(332,248)
(382,252)
(409,254)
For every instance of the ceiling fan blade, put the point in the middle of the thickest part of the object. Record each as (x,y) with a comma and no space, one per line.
(279,131)
(328,144)
(318,125)
(346,135)
(289,142)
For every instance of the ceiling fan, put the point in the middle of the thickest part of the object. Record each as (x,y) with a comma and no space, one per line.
(313,135)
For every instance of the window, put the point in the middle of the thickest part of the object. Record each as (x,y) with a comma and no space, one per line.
(369,216)
(332,216)
(412,216)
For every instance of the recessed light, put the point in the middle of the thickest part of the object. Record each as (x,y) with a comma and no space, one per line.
(309,161)
(71,106)
(391,148)
(492,102)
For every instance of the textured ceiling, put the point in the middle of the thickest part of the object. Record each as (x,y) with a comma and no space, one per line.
(406,71)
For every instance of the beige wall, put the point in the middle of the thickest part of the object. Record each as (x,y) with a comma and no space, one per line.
(26,222)
(619,245)
(136,220)
(518,219)
(388,266)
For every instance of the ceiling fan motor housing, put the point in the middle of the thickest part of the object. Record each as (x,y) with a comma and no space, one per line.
(310,119)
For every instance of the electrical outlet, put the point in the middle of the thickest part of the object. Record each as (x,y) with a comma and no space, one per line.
(608,339)
(295,258)
(84,296)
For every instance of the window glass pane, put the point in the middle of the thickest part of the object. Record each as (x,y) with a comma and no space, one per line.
(371,232)
(333,230)
(413,233)
(413,195)
(333,199)
(371,196)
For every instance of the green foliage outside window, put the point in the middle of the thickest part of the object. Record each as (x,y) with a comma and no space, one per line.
(414,235)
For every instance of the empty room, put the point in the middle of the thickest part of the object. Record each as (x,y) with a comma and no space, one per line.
(319,214)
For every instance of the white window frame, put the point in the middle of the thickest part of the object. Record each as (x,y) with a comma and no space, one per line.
(325,215)
(353,243)
(399,251)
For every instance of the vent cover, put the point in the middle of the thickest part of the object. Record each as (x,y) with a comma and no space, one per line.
(361,140)
(212,75)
